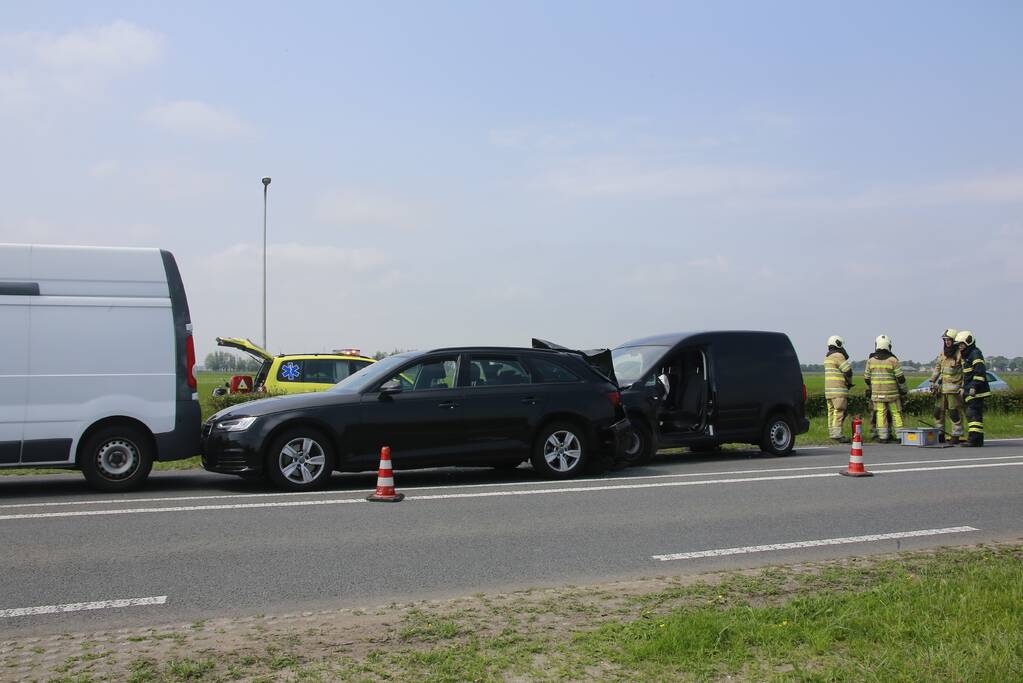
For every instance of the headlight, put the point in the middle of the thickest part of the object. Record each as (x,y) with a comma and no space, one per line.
(235,424)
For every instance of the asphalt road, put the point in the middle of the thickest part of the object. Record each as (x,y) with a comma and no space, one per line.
(197,545)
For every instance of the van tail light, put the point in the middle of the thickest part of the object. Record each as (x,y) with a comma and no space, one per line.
(804,393)
(615,397)
(190,361)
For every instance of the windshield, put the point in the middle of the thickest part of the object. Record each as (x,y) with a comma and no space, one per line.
(632,362)
(372,373)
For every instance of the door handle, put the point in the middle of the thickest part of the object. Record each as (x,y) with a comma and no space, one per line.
(450,405)
(530,401)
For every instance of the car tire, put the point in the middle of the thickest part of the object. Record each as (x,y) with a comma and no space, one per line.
(779,438)
(300,459)
(117,458)
(639,443)
(561,450)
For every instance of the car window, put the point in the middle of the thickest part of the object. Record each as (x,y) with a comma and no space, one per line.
(491,371)
(356,365)
(437,373)
(290,371)
(991,378)
(548,371)
(631,362)
(321,371)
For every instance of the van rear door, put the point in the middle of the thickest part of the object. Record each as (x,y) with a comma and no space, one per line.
(15,295)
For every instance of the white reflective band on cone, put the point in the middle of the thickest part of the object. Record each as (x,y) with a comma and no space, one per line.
(856,458)
(385,481)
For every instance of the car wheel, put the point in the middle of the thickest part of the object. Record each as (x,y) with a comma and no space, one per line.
(560,451)
(779,437)
(117,458)
(301,459)
(639,444)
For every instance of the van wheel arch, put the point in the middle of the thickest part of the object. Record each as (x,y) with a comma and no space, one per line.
(116,454)
(116,421)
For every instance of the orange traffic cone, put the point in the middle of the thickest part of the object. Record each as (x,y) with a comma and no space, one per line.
(385,480)
(856,468)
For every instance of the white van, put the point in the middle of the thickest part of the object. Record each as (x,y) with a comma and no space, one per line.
(96,368)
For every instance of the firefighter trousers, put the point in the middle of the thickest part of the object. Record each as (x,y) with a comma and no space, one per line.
(953,406)
(837,406)
(882,409)
(975,421)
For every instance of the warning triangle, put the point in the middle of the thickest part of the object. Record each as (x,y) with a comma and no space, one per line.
(242,386)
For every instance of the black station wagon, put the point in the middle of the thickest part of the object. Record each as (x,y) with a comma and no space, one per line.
(469,406)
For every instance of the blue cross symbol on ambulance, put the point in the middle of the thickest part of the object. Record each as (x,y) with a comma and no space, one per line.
(290,371)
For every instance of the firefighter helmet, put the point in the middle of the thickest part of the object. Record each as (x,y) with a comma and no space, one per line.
(882,343)
(836,341)
(950,333)
(965,337)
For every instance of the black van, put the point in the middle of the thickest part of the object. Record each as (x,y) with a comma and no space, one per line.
(703,389)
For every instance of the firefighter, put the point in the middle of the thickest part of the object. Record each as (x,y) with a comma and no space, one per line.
(903,392)
(975,387)
(946,385)
(885,387)
(837,382)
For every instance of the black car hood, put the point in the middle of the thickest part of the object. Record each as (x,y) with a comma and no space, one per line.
(279,404)
(600,359)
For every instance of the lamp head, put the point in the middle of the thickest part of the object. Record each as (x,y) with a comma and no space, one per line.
(266,181)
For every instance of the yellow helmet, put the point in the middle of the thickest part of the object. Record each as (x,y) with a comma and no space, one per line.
(835,340)
(950,333)
(965,337)
(882,343)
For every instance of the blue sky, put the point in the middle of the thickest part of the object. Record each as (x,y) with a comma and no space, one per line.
(457,173)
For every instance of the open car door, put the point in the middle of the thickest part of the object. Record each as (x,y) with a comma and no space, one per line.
(599,359)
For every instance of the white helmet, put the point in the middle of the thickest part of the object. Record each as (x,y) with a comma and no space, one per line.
(835,340)
(950,333)
(882,343)
(965,337)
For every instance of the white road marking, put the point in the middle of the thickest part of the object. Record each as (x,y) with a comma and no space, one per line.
(338,492)
(487,494)
(721,552)
(81,606)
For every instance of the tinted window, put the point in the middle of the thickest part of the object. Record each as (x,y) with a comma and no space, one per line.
(290,371)
(438,373)
(549,371)
(490,371)
(324,371)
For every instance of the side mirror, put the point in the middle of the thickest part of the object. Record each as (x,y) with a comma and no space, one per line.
(390,387)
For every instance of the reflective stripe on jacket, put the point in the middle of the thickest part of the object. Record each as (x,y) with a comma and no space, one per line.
(975,375)
(837,375)
(882,375)
(949,372)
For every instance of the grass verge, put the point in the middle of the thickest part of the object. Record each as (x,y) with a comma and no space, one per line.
(951,614)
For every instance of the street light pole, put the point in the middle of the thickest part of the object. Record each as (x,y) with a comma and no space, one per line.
(266,186)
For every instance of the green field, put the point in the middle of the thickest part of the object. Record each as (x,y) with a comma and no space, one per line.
(815,381)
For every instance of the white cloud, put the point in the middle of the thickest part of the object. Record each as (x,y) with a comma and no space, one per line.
(631,179)
(352,208)
(191,117)
(38,67)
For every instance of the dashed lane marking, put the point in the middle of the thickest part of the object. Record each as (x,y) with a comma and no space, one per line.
(82,606)
(744,550)
(487,494)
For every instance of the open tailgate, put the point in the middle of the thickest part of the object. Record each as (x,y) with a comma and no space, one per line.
(599,359)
